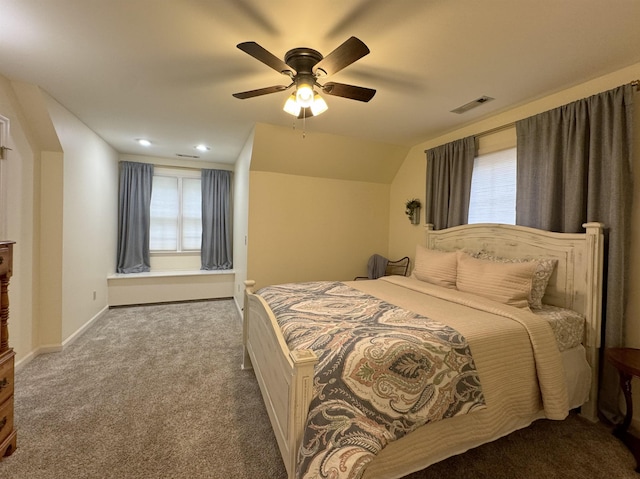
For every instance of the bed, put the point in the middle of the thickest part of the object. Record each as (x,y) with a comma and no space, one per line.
(524,378)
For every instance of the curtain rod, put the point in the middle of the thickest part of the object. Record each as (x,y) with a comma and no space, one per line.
(181,167)
(496,129)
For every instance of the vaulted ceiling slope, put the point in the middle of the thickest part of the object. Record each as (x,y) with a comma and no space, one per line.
(166,70)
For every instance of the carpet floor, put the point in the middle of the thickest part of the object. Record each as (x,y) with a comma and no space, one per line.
(157,392)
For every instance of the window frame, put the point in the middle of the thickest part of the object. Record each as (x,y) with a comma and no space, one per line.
(179,174)
(483,154)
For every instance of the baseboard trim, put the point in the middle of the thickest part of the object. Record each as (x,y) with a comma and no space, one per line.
(239,307)
(46,349)
(56,348)
(84,327)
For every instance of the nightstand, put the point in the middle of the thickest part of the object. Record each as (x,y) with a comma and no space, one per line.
(627,362)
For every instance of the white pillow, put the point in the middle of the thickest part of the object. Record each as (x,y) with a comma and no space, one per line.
(436,267)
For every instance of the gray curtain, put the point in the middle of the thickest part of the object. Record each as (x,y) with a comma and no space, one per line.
(574,166)
(449,170)
(216,252)
(134,204)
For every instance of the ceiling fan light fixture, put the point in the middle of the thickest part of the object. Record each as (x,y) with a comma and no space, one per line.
(291,106)
(319,105)
(304,95)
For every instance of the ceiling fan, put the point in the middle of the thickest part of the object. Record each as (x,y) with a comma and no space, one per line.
(304,66)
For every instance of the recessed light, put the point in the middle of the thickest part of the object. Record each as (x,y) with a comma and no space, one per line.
(202,148)
(144,142)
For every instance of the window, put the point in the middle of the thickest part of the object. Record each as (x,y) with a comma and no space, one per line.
(493,188)
(176,211)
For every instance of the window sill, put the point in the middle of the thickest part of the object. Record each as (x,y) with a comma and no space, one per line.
(168,274)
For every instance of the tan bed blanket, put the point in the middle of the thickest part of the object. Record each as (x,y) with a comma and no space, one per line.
(517,360)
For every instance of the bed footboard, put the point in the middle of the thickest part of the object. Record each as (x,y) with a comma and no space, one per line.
(285,377)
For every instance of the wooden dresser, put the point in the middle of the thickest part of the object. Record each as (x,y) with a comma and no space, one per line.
(7,431)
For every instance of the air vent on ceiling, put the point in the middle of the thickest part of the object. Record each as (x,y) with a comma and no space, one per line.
(472,104)
(186,156)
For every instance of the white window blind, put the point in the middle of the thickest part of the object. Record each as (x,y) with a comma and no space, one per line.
(176,212)
(191,214)
(493,188)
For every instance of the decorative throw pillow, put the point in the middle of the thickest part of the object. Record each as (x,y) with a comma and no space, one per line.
(542,274)
(508,283)
(436,267)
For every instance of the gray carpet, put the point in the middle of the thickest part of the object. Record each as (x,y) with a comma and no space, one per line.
(157,392)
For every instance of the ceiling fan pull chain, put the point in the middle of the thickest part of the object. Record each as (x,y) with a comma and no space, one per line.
(304,124)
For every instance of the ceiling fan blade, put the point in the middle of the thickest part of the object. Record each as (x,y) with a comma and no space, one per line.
(266,57)
(347,53)
(261,91)
(348,91)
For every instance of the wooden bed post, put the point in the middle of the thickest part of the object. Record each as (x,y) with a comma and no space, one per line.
(595,245)
(304,361)
(246,360)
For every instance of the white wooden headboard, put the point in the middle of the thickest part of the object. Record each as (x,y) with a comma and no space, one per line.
(576,282)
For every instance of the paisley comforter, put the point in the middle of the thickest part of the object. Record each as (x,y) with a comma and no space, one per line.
(382,372)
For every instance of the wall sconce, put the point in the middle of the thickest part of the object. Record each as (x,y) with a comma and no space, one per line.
(412,210)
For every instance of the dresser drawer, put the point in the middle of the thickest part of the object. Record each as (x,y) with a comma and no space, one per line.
(6,376)
(6,418)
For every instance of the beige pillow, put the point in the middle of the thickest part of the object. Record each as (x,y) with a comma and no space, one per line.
(542,274)
(508,283)
(435,266)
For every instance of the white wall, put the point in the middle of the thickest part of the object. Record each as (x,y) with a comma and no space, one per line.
(89,218)
(241,218)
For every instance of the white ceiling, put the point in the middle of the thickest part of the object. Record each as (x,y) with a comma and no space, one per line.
(166,69)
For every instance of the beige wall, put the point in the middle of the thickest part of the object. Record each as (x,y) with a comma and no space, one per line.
(318,204)
(21,168)
(304,229)
(320,155)
(50,241)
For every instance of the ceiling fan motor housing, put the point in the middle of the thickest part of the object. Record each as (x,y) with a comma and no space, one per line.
(302,60)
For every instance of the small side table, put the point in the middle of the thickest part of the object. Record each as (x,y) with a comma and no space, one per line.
(627,362)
